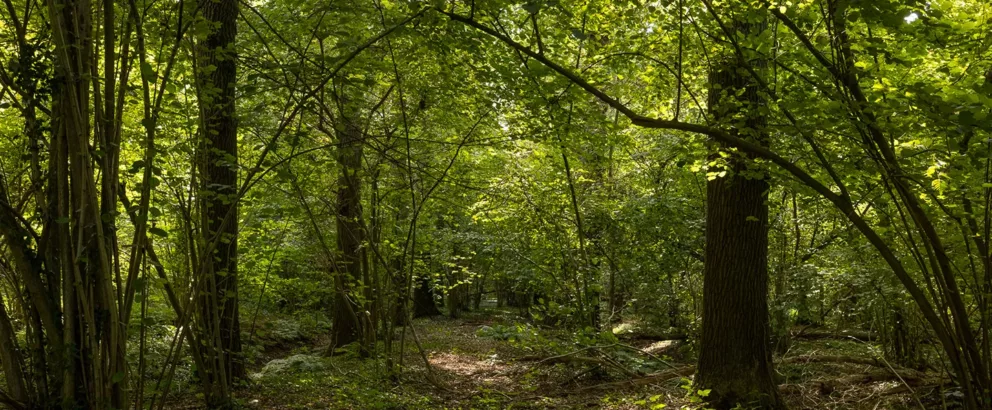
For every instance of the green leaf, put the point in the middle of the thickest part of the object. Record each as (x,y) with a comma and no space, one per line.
(532,7)
(158,232)
(136,166)
(148,72)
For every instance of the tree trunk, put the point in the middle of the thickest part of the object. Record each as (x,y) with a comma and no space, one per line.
(423,299)
(455,300)
(350,324)
(735,359)
(480,290)
(218,314)
(95,373)
(397,274)
(10,359)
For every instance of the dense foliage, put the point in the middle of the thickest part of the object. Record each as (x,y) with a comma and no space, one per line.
(396,159)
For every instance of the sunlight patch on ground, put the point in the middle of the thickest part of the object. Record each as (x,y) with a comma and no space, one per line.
(624,328)
(660,346)
(485,370)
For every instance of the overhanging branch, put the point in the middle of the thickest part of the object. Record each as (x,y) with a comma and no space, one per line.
(648,122)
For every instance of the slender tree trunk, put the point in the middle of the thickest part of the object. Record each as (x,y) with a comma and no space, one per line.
(398,294)
(480,290)
(735,358)
(10,359)
(95,375)
(218,310)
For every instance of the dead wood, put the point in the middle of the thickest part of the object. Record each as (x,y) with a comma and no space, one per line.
(654,337)
(642,381)
(809,334)
(867,361)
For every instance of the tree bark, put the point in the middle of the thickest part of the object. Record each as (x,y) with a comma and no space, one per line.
(10,359)
(217,77)
(423,299)
(350,324)
(735,358)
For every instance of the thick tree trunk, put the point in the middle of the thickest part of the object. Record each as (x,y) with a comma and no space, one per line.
(423,299)
(455,301)
(218,321)
(735,359)
(455,296)
(350,324)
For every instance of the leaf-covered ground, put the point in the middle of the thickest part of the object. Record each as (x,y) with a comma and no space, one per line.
(489,361)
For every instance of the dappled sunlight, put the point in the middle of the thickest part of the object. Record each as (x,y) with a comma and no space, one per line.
(494,204)
(660,346)
(486,370)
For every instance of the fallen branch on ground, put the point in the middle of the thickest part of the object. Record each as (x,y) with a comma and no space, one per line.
(654,337)
(606,360)
(839,334)
(868,361)
(641,381)
(911,377)
(900,389)
(573,358)
(662,347)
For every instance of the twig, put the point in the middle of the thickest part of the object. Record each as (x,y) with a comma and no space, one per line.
(911,391)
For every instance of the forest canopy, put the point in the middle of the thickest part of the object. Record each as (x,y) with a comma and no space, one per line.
(495,203)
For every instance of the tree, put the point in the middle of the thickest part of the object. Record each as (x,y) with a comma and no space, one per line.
(65,281)
(554,154)
(219,326)
(351,323)
(735,359)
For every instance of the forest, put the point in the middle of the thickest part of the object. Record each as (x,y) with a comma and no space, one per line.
(490,204)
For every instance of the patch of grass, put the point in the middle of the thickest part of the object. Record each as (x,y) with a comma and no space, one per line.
(332,383)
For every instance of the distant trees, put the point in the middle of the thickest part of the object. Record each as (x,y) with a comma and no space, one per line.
(554,154)
(847,145)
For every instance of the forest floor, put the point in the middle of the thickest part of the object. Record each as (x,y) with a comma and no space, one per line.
(489,361)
